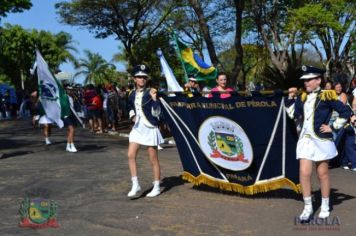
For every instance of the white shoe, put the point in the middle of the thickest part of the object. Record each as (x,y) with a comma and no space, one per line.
(159,147)
(48,142)
(324,213)
(154,192)
(71,148)
(306,214)
(353,169)
(345,167)
(134,190)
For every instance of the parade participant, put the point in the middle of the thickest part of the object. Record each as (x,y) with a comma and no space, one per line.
(341,96)
(328,85)
(70,119)
(89,94)
(349,157)
(47,127)
(35,107)
(192,86)
(315,143)
(144,111)
(221,82)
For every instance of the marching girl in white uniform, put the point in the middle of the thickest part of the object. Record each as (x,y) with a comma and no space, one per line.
(315,144)
(144,109)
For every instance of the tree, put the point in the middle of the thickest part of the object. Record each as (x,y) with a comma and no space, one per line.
(13,6)
(256,60)
(127,20)
(268,16)
(205,30)
(95,69)
(146,50)
(331,22)
(17,52)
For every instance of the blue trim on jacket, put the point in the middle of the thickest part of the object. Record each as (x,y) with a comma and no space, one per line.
(147,104)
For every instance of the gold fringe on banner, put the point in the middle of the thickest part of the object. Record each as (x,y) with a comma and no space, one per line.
(248,190)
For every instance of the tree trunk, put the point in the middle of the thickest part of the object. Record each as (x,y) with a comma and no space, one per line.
(205,29)
(238,66)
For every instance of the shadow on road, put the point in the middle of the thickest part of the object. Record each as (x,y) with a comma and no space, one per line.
(167,183)
(91,147)
(336,198)
(14,154)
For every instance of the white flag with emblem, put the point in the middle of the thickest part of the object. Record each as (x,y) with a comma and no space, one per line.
(50,91)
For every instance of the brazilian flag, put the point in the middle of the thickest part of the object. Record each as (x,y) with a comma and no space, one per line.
(194,65)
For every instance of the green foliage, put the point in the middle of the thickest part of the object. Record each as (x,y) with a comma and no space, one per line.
(145,52)
(17,52)
(95,69)
(129,20)
(5,79)
(256,59)
(13,6)
(330,21)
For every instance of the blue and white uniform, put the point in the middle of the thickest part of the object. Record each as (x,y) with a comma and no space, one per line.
(145,131)
(315,109)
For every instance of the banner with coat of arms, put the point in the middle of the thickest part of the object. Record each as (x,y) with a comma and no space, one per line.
(241,144)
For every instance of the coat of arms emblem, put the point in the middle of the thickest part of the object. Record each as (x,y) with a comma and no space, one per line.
(38,213)
(48,91)
(225,143)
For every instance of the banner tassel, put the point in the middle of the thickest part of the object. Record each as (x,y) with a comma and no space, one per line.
(234,187)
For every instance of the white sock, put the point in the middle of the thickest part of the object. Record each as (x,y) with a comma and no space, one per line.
(308,203)
(134,179)
(325,203)
(156,184)
(47,139)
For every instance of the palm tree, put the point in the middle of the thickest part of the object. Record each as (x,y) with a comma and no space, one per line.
(64,41)
(94,68)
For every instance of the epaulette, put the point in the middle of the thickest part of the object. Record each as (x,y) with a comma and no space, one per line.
(303,95)
(328,95)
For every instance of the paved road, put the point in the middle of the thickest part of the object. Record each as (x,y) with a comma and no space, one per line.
(90,188)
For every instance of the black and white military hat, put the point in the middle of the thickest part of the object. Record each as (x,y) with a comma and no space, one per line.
(310,72)
(191,77)
(140,70)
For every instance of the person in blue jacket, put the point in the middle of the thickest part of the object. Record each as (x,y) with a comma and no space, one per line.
(144,111)
(315,145)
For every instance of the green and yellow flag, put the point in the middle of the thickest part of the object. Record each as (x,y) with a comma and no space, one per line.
(193,64)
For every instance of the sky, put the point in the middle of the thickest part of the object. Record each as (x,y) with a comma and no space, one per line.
(42,16)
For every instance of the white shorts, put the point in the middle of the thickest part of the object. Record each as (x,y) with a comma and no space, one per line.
(315,149)
(144,135)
